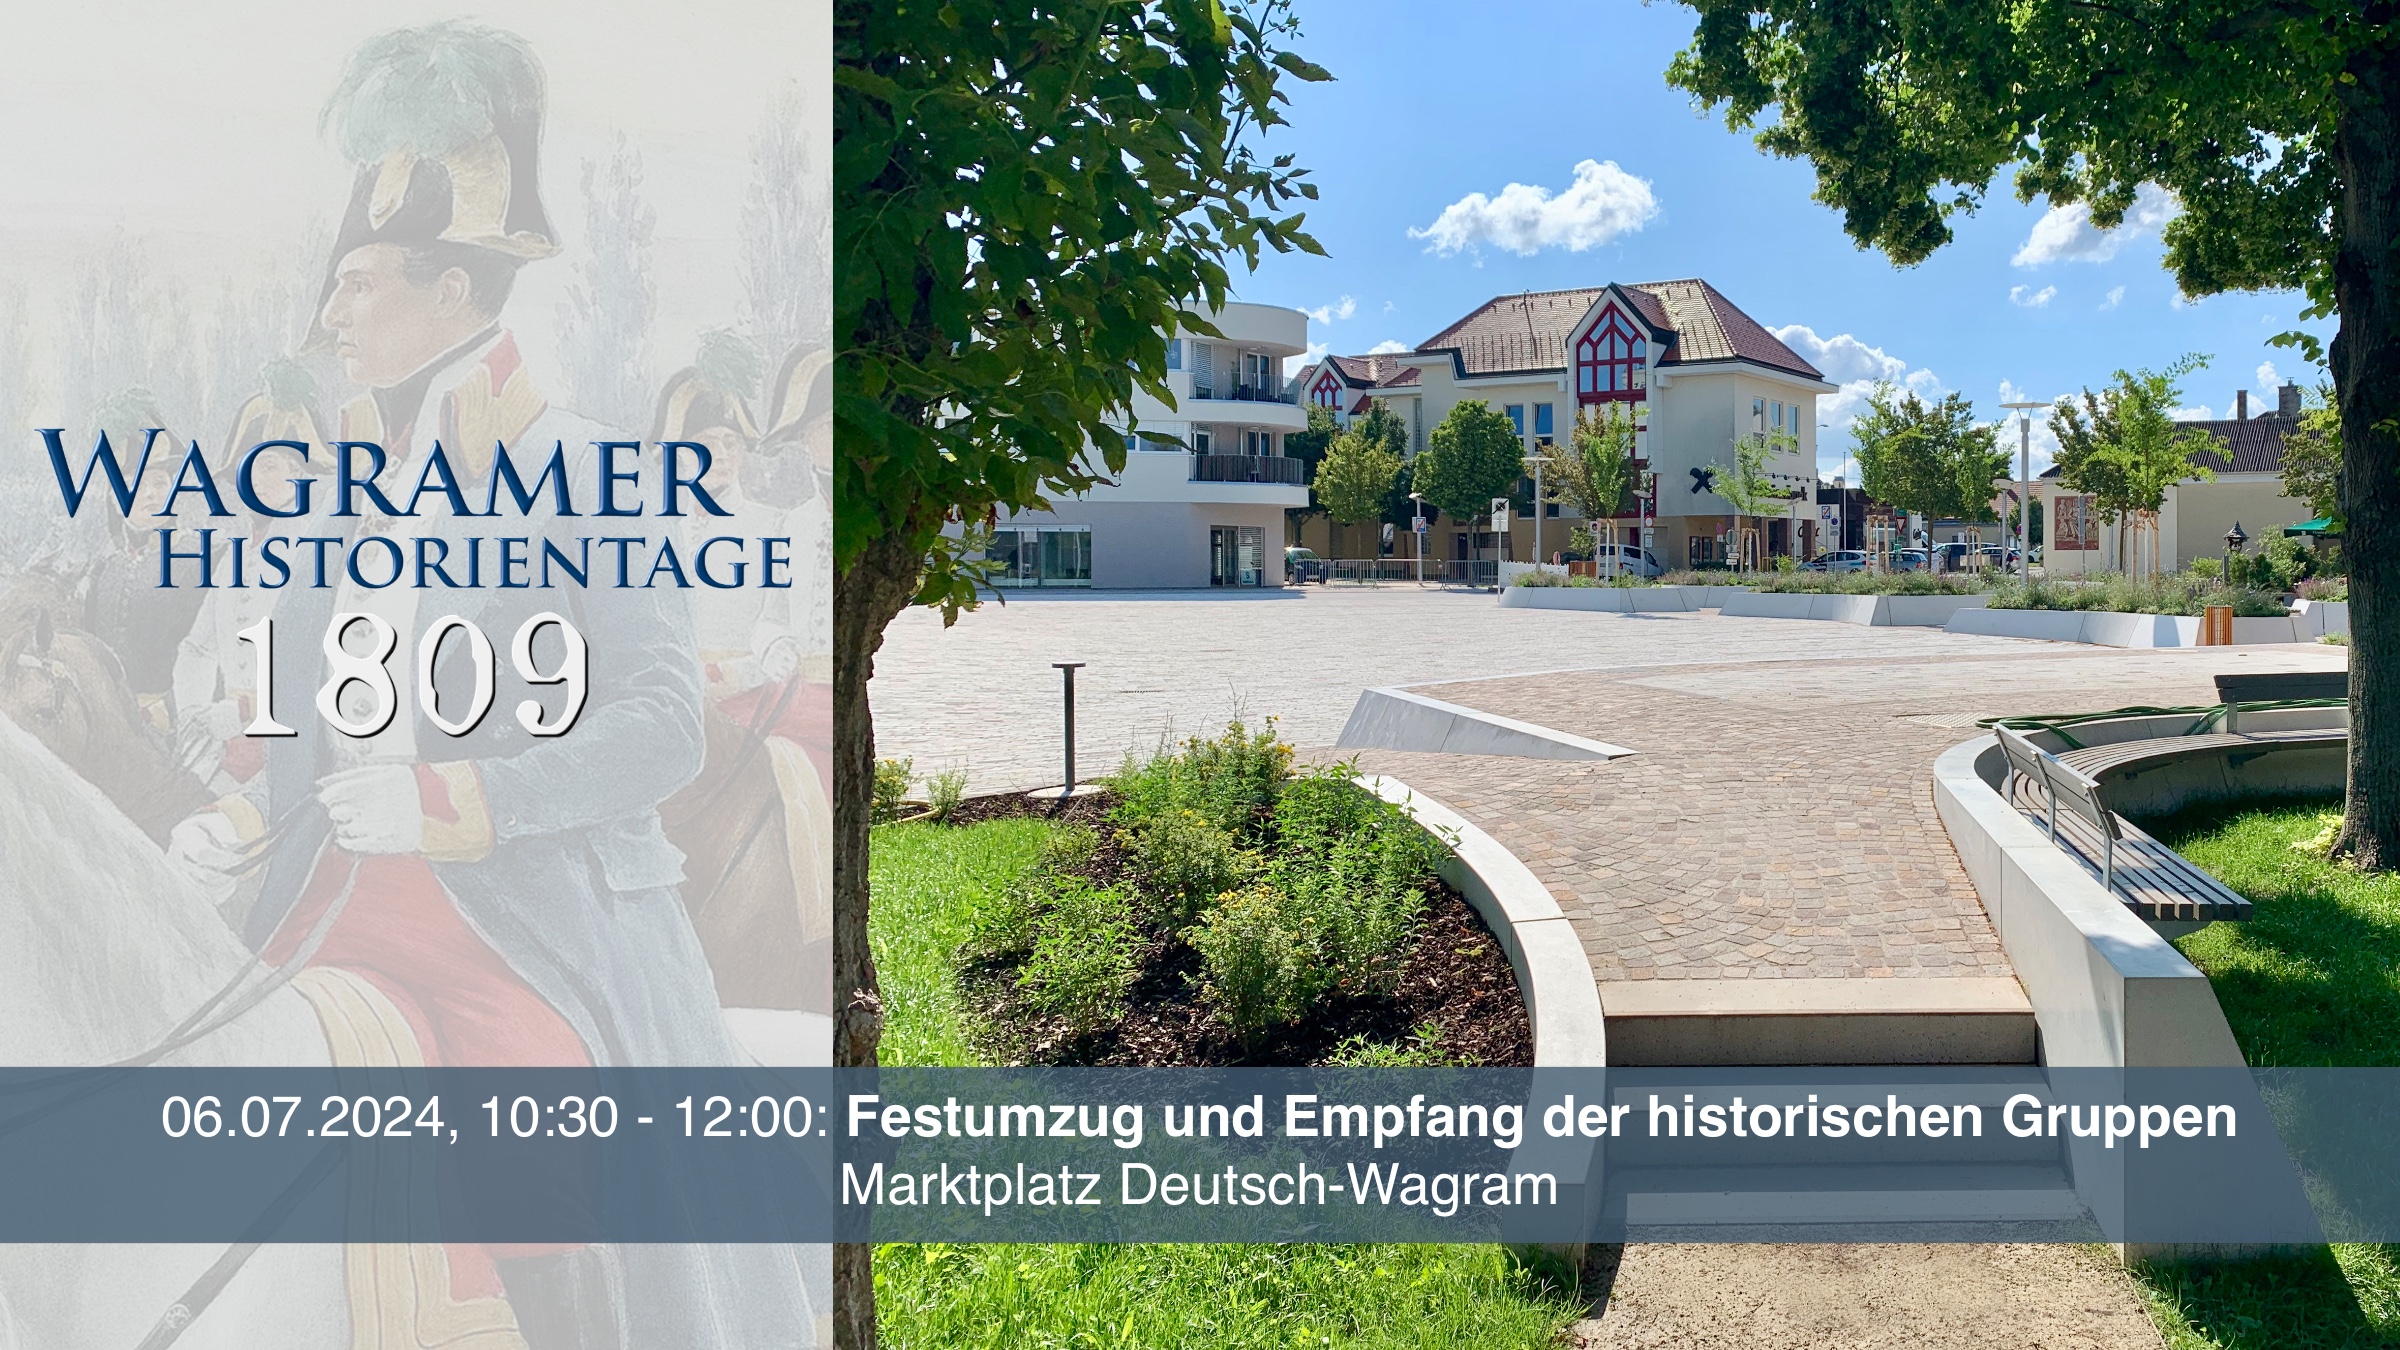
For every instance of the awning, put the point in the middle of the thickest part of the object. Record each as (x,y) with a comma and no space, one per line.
(2321,525)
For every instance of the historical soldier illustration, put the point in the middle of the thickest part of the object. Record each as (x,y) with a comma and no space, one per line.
(497,898)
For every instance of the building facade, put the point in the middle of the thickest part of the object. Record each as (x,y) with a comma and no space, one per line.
(1206,483)
(1695,371)
(2247,488)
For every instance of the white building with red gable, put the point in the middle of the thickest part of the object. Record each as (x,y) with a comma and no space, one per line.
(1696,372)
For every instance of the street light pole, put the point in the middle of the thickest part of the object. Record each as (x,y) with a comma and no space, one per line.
(2025,487)
(1417,527)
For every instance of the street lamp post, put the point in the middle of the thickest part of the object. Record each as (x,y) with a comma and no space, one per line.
(2234,539)
(2025,487)
(1417,524)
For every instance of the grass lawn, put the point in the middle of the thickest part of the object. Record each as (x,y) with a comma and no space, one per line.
(2312,978)
(926,881)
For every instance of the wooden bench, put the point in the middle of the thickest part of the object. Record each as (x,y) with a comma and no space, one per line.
(2153,880)
(2290,684)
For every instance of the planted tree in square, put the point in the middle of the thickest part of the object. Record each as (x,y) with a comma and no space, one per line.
(2274,125)
(1595,470)
(1473,456)
(1751,490)
(1933,459)
(1357,471)
(2124,447)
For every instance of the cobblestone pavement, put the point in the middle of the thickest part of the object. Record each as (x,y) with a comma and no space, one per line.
(981,695)
(1779,822)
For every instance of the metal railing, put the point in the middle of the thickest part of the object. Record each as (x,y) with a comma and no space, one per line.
(1249,469)
(1435,571)
(1276,389)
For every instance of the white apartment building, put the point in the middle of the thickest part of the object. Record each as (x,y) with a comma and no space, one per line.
(1206,512)
(1696,372)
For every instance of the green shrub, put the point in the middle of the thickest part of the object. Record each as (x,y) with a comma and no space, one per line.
(1085,956)
(1262,968)
(2324,588)
(1184,862)
(943,792)
(1231,779)
(1422,1050)
(1874,583)
(2207,569)
(892,780)
(1353,868)
(1006,927)
(2174,593)
(1786,564)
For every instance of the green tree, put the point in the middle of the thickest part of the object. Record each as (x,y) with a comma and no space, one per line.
(2124,447)
(1596,470)
(1032,197)
(1308,446)
(1356,473)
(1474,456)
(2312,459)
(1749,488)
(2275,124)
(1929,458)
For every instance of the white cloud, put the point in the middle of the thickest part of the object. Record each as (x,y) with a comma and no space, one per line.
(2268,376)
(1603,202)
(1387,345)
(2066,233)
(2198,412)
(1857,368)
(1332,313)
(2116,297)
(1389,306)
(2029,298)
(1293,365)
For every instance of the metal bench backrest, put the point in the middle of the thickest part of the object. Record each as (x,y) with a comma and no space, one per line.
(2063,784)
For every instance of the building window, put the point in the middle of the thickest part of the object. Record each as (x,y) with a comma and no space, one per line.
(1327,391)
(1758,415)
(1779,414)
(1204,374)
(1516,416)
(1204,442)
(1174,353)
(1258,442)
(1237,555)
(1542,425)
(1254,370)
(1042,557)
(1611,360)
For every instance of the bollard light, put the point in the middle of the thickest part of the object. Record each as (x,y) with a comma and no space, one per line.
(1068,669)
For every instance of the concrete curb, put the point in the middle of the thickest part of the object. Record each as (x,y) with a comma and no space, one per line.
(1878,611)
(1395,719)
(1561,996)
(2105,628)
(2106,990)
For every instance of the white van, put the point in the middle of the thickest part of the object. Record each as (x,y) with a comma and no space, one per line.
(1631,561)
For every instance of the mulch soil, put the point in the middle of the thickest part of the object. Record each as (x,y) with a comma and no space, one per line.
(1457,979)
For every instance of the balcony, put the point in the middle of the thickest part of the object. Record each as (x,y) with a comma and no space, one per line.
(1274,469)
(1275,389)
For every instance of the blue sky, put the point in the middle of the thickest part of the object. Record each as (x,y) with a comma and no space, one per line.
(1434,103)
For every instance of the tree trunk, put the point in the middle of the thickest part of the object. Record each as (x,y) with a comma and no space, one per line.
(866,598)
(2366,374)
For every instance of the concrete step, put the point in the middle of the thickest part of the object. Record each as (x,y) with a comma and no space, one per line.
(1921,1020)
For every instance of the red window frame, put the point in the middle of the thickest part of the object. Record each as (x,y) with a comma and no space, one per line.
(1326,392)
(1611,360)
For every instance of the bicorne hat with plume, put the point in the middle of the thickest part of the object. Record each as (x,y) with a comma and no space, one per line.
(444,123)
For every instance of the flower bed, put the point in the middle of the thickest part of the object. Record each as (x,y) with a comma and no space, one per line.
(1218,906)
(2180,593)
(1870,583)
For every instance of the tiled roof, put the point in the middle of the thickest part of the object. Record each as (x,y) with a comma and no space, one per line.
(1383,370)
(1528,331)
(2254,445)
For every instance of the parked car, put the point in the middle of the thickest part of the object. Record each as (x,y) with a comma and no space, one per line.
(1302,565)
(1911,560)
(1838,560)
(1629,560)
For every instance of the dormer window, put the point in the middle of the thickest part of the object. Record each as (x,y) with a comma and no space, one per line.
(1611,360)
(1327,391)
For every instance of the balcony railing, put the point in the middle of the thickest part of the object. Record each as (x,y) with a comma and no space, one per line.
(1249,469)
(1275,390)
